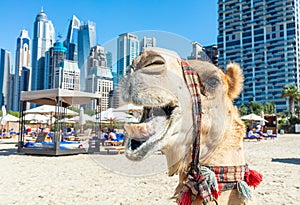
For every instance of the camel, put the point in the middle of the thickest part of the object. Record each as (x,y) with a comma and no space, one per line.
(174,123)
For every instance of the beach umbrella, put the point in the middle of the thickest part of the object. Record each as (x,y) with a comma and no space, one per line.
(51,110)
(132,109)
(68,120)
(110,116)
(129,108)
(253,117)
(10,118)
(76,119)
(38,118)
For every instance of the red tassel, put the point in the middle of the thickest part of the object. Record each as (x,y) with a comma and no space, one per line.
(185,198)
(216,193)
(253,178)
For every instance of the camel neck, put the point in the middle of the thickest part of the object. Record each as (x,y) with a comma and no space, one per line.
(230,151)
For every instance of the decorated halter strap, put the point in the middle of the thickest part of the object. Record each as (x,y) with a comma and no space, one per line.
(196,184)
(192,81)
(207,182)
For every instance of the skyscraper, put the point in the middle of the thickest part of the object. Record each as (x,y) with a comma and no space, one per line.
(43,39)
(86,40)
(67,75)
(23,55)
(99,79)
(204,53)
(128,48)
(54,56)
(147,42)
(5,72)
(263,37)
(71,42)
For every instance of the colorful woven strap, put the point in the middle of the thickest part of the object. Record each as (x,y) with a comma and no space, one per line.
(228,176)
(192,81)
(196,182)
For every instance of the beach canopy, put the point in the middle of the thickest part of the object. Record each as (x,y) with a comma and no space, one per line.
(253,117)
(51,96)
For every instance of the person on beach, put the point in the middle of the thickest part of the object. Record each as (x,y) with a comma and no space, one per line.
(252,133)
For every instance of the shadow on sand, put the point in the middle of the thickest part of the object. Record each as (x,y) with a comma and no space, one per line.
(9,151)
(287,160)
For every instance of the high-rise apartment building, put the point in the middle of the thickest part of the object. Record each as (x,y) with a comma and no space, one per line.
(5,82)
(212,53)
(71,42)
(86,40)
(127,49)
(67,75)
(99,79)
(54,56)
(23,55)
(43,39)
(263,37)
(198,52)
(109,59)
(147,42)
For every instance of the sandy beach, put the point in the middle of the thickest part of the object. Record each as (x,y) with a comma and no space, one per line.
(112,179)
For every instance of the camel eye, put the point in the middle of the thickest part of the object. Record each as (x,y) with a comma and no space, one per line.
(212,82)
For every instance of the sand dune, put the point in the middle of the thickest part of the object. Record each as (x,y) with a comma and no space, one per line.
(82,179)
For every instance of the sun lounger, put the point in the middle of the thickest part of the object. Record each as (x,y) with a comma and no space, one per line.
(118,149)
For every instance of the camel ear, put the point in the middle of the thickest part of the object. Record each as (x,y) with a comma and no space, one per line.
(235,80)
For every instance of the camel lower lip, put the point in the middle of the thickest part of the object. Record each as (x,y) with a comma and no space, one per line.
(139,149)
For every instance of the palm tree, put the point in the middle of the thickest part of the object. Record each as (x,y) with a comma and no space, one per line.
(269,107)
(291,92)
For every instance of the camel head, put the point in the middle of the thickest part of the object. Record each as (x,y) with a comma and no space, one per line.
(156,82)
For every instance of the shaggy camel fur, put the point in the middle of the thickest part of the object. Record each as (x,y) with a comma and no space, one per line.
(156,82)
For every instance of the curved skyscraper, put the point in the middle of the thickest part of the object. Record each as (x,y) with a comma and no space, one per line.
(43,39)
(23,55)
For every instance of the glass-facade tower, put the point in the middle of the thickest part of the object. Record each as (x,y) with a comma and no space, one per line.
(23,56)
(5,83)
(128,48)
(43,39)
(263,37)
(71,42)
(86,40)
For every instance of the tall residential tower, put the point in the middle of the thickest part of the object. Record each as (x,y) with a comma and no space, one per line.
(23,54)
(43,39)
(128,48)
(71,42)
(263,37)
(86,40)
(5,82)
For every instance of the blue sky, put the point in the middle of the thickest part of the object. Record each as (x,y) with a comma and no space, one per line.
(195,20)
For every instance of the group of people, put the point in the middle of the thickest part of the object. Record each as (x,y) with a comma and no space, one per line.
(257,133)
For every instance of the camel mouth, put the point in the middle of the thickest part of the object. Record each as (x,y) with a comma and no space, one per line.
(144,138)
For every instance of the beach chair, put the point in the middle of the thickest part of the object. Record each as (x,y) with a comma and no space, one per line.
(252,137)
(84,136)
(41,137)
(117,142)
(270,135)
